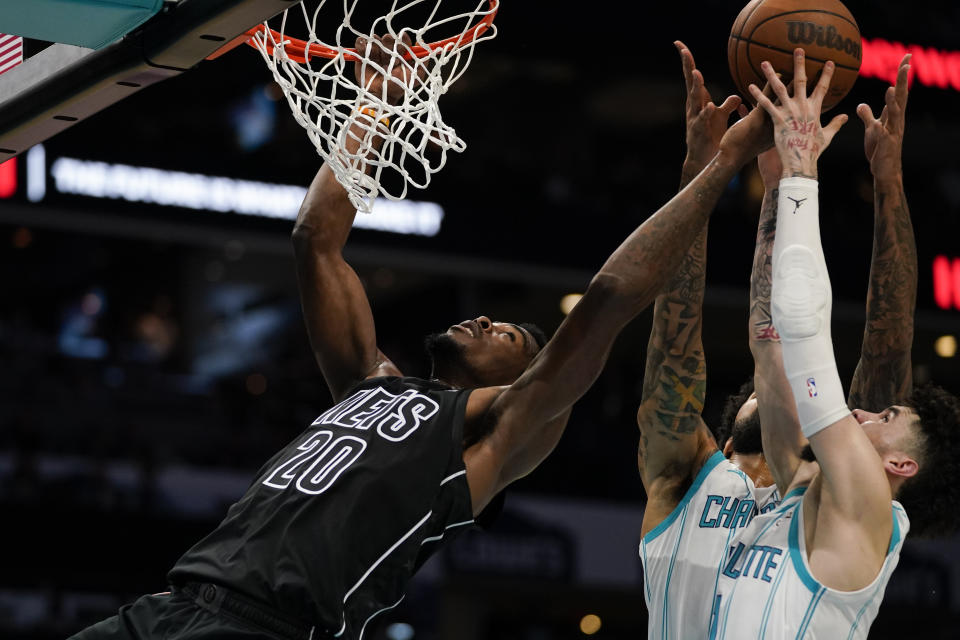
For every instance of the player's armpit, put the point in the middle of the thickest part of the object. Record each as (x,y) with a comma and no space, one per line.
(671,441)
(668,483)
(846,548)
(484,468)
(673,435)
(674,440)
(855,495)
(521,461)
(502,453)
(484,460)
(492,465)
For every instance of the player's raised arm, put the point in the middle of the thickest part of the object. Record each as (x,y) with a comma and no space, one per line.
(884,374)
(527,417)
(781,435)
(674,439)
(854,520)
(335,306)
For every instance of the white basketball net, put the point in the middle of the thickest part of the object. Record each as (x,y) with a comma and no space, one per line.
(327,101)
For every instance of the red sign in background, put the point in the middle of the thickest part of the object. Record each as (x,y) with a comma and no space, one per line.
(928,66)
(946,282)
(8,178)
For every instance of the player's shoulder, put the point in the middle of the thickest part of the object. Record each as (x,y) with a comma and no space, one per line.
(714,477)
(718,469)
(710,469)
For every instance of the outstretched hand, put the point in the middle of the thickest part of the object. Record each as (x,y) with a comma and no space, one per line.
(796,119)
(706,122)
(748,138)
(382,70)
(883,138)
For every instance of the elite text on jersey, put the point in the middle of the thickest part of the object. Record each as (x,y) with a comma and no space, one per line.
(766,589)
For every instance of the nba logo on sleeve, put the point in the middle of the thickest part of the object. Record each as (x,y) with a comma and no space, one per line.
(812,387)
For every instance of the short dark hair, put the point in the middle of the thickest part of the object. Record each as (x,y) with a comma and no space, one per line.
(538,335)
(724,430)
(931,497)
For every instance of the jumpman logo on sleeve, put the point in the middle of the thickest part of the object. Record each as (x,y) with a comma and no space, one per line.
(796,203)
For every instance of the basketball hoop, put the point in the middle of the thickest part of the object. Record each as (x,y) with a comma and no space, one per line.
(318,81)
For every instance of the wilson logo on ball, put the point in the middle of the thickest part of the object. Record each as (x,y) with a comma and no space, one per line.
(810,32)
(770,31)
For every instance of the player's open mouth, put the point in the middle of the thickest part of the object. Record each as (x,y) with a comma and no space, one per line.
(468,326)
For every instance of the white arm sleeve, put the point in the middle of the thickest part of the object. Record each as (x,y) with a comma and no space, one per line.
(801,304)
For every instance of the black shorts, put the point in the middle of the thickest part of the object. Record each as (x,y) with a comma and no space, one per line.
(193,612)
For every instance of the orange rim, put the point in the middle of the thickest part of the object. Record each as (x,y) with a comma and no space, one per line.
(299,51)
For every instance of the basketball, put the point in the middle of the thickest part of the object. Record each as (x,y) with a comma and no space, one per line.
(771,29)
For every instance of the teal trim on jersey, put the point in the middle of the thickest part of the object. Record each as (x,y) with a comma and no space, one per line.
(794,492)
(896,534)
(798,560)
(768,525)
(746,484)
(673,560)
(780,573)
(856,622)
(646,581)
(769,606)
(726,613)
(742,475)
(708,466)
(775,500)
(808,616)
(895,538)
(863,609)
(716,577)
(731,532)
(714,617)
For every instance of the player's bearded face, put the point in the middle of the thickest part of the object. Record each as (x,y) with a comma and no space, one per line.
(479,353)
(446,354)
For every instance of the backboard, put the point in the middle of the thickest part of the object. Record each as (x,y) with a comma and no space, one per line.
(64,84)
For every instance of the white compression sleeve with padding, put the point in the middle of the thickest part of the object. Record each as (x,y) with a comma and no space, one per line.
(801,305)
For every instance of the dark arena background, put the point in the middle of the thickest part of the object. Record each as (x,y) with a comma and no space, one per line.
(153,355)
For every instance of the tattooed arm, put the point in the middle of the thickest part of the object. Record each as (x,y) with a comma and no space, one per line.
(674,441)
(528,416)
(782,439)
(884,374)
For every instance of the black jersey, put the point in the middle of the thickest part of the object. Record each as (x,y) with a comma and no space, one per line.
(335,524)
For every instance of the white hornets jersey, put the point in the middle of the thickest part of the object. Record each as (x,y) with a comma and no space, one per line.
(766,589)
(682,556)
